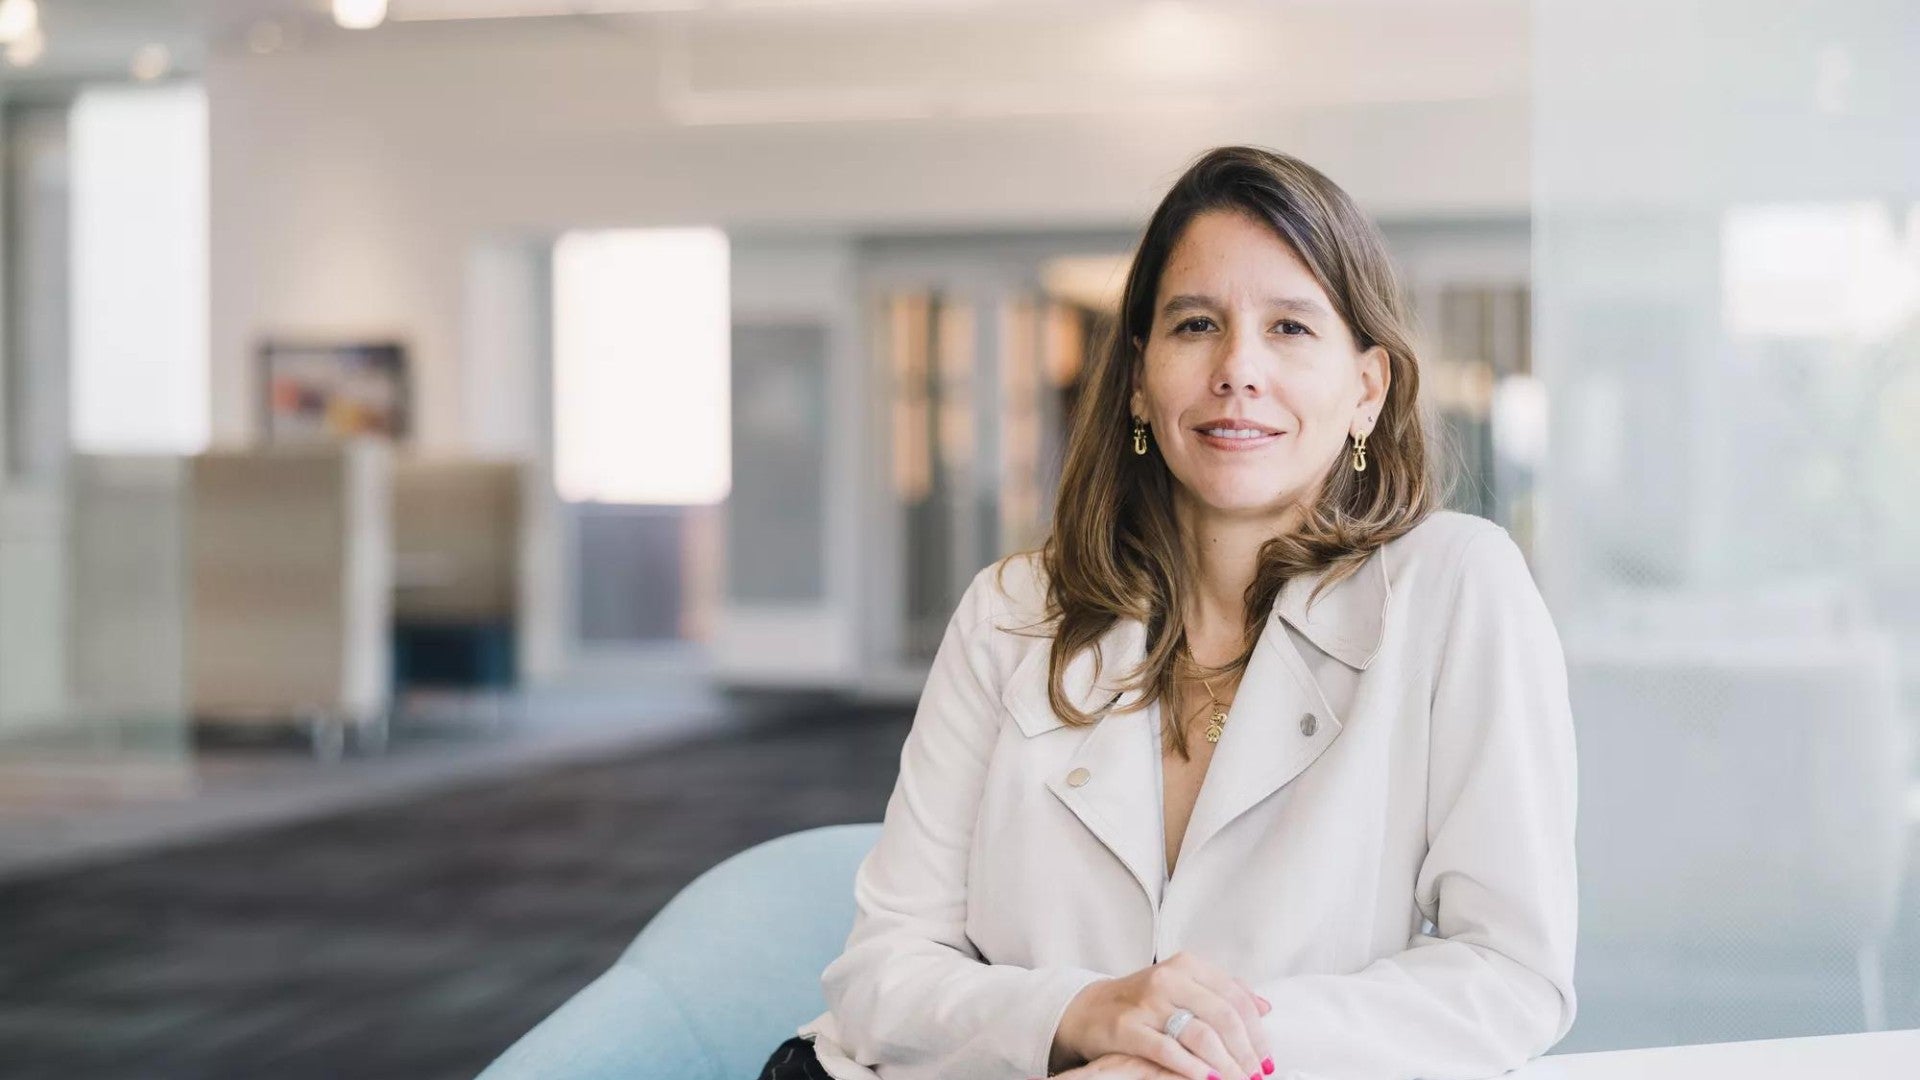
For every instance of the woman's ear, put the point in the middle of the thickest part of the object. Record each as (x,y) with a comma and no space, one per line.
(1376,374)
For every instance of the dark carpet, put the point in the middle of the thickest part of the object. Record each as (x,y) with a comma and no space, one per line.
(412,940)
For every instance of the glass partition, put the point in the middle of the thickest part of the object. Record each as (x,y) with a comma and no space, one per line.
(1727,279)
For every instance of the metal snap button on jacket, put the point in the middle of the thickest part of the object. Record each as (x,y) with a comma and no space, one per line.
(1078,777)
(1309,724)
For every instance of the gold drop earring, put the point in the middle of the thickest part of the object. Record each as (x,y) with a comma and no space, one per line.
(1360,453)
(1139,436)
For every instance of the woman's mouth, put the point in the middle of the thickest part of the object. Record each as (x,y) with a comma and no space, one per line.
(1234,439)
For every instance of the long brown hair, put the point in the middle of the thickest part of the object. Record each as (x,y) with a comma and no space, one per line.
(1115,549)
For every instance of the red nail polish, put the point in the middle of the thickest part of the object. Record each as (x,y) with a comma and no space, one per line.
(1266,1065)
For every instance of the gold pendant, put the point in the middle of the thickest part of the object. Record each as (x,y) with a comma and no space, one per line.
(1219,719)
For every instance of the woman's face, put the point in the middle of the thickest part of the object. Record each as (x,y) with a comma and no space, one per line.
(1243,333)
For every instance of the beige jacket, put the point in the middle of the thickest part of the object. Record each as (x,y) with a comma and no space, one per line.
(1382,847)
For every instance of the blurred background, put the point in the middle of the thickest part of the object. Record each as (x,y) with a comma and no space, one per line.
(468,466)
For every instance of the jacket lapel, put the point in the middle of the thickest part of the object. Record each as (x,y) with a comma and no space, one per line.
(1115,798)
(1267,741)
(1281,721)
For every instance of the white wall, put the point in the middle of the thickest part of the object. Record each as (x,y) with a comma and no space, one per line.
(350,179)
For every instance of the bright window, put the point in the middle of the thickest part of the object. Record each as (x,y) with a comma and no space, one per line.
(641,358)
(139,263)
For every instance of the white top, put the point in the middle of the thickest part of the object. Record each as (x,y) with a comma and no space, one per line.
(1154,732)
(1382,845)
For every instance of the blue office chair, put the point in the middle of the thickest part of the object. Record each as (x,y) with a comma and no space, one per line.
(722,975)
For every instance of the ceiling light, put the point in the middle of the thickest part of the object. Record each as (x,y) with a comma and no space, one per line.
(359,14)
(18,19)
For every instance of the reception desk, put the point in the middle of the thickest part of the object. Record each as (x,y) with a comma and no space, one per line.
(1877,1055)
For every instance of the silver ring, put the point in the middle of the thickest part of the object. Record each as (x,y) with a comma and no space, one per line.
(1177,1022)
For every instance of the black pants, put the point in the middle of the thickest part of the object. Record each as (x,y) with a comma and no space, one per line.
(794,1060)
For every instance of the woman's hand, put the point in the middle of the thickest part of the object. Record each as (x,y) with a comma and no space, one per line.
(1224,1040)
(1117,1067)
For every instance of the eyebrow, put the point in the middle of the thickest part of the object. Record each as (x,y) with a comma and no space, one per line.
(1299,305)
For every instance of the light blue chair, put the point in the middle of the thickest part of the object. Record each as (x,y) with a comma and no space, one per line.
(722,975)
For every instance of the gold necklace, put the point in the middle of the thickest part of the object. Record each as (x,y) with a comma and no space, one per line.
(1219,717)
(1217,722)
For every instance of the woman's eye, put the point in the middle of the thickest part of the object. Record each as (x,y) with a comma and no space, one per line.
(1200,324)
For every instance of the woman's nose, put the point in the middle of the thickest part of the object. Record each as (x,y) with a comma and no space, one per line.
(1236,365)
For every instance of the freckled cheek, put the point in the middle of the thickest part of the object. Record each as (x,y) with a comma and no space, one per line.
(1317,406)
(1172,395)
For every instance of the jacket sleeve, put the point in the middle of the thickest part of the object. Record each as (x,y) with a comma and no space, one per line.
(1493,986)
(910,990)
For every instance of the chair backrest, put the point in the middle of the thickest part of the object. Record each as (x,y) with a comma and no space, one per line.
(741,948)
(457,526)
(722,975)
(290,582)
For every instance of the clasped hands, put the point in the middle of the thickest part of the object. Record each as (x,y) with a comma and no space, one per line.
(1116,1026)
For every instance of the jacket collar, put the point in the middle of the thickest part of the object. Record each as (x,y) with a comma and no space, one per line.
(1347,622)
(1267,743)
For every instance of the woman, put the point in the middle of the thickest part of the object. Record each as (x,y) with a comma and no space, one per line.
(1263,765)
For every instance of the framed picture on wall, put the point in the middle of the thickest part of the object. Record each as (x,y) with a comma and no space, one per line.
(320,392)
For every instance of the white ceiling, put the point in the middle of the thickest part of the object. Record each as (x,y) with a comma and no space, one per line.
(817,56)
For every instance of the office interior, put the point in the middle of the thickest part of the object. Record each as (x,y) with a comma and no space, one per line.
(413,405)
